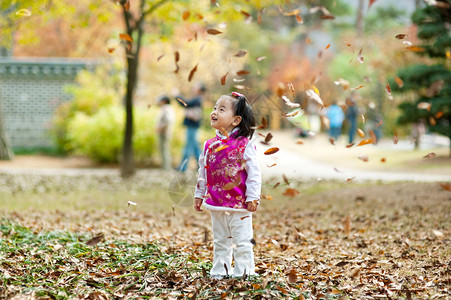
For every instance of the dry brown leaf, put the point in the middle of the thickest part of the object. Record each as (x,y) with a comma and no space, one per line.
(181,101)
(365,142)
(213,31)
(446,186)
(241,53)
(271,151)
(430,155)
(242,72)
(292,276)
(191,74)
(290,192)
(125,37)
(360,132)
(223,79)
(185,15)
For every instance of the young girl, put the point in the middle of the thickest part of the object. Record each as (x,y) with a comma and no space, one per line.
(229,185)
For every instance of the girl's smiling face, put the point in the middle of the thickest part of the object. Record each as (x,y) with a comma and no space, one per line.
(223,115)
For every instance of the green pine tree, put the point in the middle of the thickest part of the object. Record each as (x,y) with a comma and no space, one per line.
(430,83)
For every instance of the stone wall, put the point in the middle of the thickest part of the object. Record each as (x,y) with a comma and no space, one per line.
(30,91)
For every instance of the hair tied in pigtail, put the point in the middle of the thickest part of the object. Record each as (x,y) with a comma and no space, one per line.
(238,96)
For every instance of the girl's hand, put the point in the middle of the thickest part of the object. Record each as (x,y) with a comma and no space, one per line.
(252,206)
(198,204)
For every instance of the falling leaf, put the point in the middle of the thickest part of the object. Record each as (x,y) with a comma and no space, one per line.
(363,157)
(360,56)
(401,36)
(290,192)
(181,101)
(446,186)
(111,50)
(185,15)
(299,19)
(127,5)
(191,74)
(125,37)
(242,72)
(439,114)
(23,12)
(300,142)
(223,79)
(344,83)
(365,142)
(291,114)
(309,41)
(314,96)
(267,197)
(388,89)
(131,203)
(285,179)
(271,165)
(241,53)
(373,136)
(268,137)
(399,82)
(224,132)
(327,47)
(347,224)
(332,140)
(264,124)
(349,145)
(271,151)
(176,56)
(383,160)
(407,43)
(360,132)
(371,3)
(293,12)
(350,179)
(292,276)
(276,185)
(289,103)
(395,138)
(424,105)
(430,155)
(246,14)
(260,58)
(291,87)
(415,49)
(160,57)
(213,31)
(242,218)
(357,88)
(222,147)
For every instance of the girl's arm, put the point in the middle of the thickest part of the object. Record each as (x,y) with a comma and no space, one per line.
(254,177)
(201,185)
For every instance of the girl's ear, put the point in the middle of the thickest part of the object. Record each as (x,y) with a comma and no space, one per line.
(236,121)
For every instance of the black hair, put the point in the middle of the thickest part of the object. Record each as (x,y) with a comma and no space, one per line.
(243,109)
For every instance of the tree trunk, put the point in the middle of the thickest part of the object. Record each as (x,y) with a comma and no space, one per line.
(359,19)
(5,150)
(127,162)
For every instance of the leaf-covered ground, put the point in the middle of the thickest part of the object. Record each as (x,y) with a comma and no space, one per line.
(329,241)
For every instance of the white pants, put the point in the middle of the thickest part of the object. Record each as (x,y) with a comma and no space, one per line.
(232,232)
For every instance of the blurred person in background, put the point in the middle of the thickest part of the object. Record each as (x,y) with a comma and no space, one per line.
(192,121)
(336,117)
(352,113)
(165,123)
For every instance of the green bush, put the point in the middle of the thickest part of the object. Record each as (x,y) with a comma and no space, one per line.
(92,92)
(100,136)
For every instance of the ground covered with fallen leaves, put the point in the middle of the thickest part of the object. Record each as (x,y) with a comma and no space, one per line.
(313,240)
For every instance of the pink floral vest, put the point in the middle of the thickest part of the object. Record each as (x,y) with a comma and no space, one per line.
(225,170)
